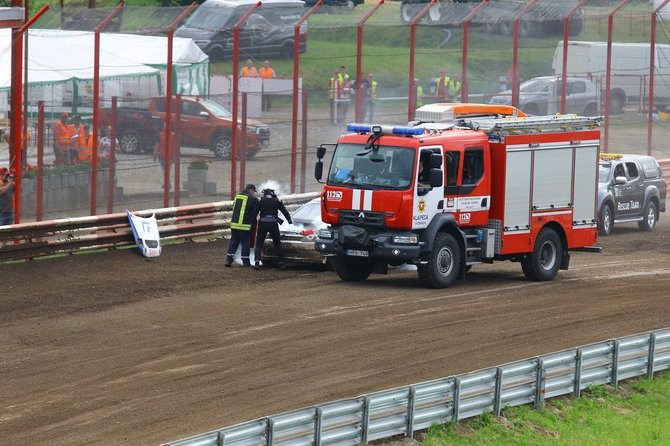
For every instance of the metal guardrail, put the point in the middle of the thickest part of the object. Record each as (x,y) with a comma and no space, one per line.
(404,410)
(69,235)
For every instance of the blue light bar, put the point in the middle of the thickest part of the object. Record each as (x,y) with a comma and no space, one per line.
(359,128)
(408,131)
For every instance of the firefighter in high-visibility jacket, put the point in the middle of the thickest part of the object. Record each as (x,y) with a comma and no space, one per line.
(242,223)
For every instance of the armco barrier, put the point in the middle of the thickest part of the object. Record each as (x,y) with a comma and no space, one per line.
(404,410)
(68,235)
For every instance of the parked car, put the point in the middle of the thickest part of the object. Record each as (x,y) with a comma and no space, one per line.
(298,238)
(631,188)
(542,95)
(203,123)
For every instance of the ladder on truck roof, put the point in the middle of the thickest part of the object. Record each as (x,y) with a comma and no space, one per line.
(501,127)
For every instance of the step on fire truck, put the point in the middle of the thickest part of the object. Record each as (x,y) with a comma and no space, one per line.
(464,184)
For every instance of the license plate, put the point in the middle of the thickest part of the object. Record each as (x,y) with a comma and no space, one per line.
(357,253)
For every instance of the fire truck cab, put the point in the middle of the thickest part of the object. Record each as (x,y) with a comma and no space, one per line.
(464,184)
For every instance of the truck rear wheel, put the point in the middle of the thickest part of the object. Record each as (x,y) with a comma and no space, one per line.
(352,269)
(443,262)
(545,260)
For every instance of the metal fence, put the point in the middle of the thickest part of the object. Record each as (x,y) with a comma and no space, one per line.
(404,410)
(70,235)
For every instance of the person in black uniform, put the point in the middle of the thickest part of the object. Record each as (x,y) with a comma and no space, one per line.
(268,208)
(245,209)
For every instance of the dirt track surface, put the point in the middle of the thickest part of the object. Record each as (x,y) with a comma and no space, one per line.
(109,348)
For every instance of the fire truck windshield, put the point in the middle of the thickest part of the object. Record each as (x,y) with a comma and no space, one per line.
(387,167)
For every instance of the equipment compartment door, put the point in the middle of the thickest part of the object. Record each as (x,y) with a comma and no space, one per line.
(517,191)
(586,163)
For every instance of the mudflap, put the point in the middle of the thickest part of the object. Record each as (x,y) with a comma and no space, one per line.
(566,261)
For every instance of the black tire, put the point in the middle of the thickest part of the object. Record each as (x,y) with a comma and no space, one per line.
(268,262)
(444,262)
(286,52)
(252,153)
(605,220)
(216,55)
(649,218)
(591,110)
(531,109)
(130,141)
(616,104)
(352,269)
(222,146)
(576,26)
(529,28)
(545,260)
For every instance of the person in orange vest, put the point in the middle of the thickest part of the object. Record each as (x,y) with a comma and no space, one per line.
(85,144)
(267,72)
(76,130)
(249,70)
(61,139)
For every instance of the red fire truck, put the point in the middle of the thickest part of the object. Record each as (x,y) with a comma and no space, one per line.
(464,184)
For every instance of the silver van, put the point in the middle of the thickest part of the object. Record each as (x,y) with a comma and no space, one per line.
(268,32)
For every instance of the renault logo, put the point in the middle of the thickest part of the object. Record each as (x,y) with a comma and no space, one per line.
(361,217)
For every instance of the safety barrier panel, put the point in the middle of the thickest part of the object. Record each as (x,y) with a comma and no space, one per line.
(69,235)
(404,410)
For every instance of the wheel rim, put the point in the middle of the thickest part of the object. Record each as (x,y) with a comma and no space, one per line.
(548,255)
(445,261)
(129,144)
(651,217)
(223,147)
(607,221)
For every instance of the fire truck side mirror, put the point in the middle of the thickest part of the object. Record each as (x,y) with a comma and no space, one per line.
(436,177)
(318,170)
(435,161)
(320,152)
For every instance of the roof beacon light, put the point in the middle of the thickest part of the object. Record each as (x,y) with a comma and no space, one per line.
(385,129)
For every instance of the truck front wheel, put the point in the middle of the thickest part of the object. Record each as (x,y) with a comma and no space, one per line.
(130,141)
(443,264)
(222,147)
(352,269)
(545,260)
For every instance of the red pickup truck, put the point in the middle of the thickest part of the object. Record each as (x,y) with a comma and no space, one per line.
(203,123)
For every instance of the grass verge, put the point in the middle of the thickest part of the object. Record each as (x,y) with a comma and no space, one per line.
(637,413)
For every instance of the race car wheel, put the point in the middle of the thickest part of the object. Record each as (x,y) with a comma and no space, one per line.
(443,264)
(545,260)
(650,217)
(222,147)
(352,269)
(605,221)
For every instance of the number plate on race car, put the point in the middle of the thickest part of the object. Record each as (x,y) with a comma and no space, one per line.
(357,253)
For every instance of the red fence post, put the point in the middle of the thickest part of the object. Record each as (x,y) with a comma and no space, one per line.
(411,97)
(608,73)
(515,52)
(359,58)
(112,161)
(303,154)
(243,152)
(39,192)
(564,67)
(296,92)
(652,66)
(464,54)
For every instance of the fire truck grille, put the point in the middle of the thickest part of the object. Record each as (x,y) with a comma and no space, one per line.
(363,218)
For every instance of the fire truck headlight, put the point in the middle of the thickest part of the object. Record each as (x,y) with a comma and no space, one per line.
(325,233)
(406,239)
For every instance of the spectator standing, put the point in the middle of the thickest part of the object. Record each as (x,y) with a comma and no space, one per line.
(61,139)
(442,85)
(268,210)
(105,145)
(76,131)
(85,144)
(6,197)
(332,94)
(161,151)
(249,70)
(454,88)
(242,224)
(419,93)
(267,72)
(369,88)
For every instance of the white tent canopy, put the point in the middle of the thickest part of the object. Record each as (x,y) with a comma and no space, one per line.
(60,66)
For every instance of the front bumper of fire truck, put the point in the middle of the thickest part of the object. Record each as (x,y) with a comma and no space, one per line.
(388,246)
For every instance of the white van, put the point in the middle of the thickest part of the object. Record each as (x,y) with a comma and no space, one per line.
(629,74)
(268,32)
